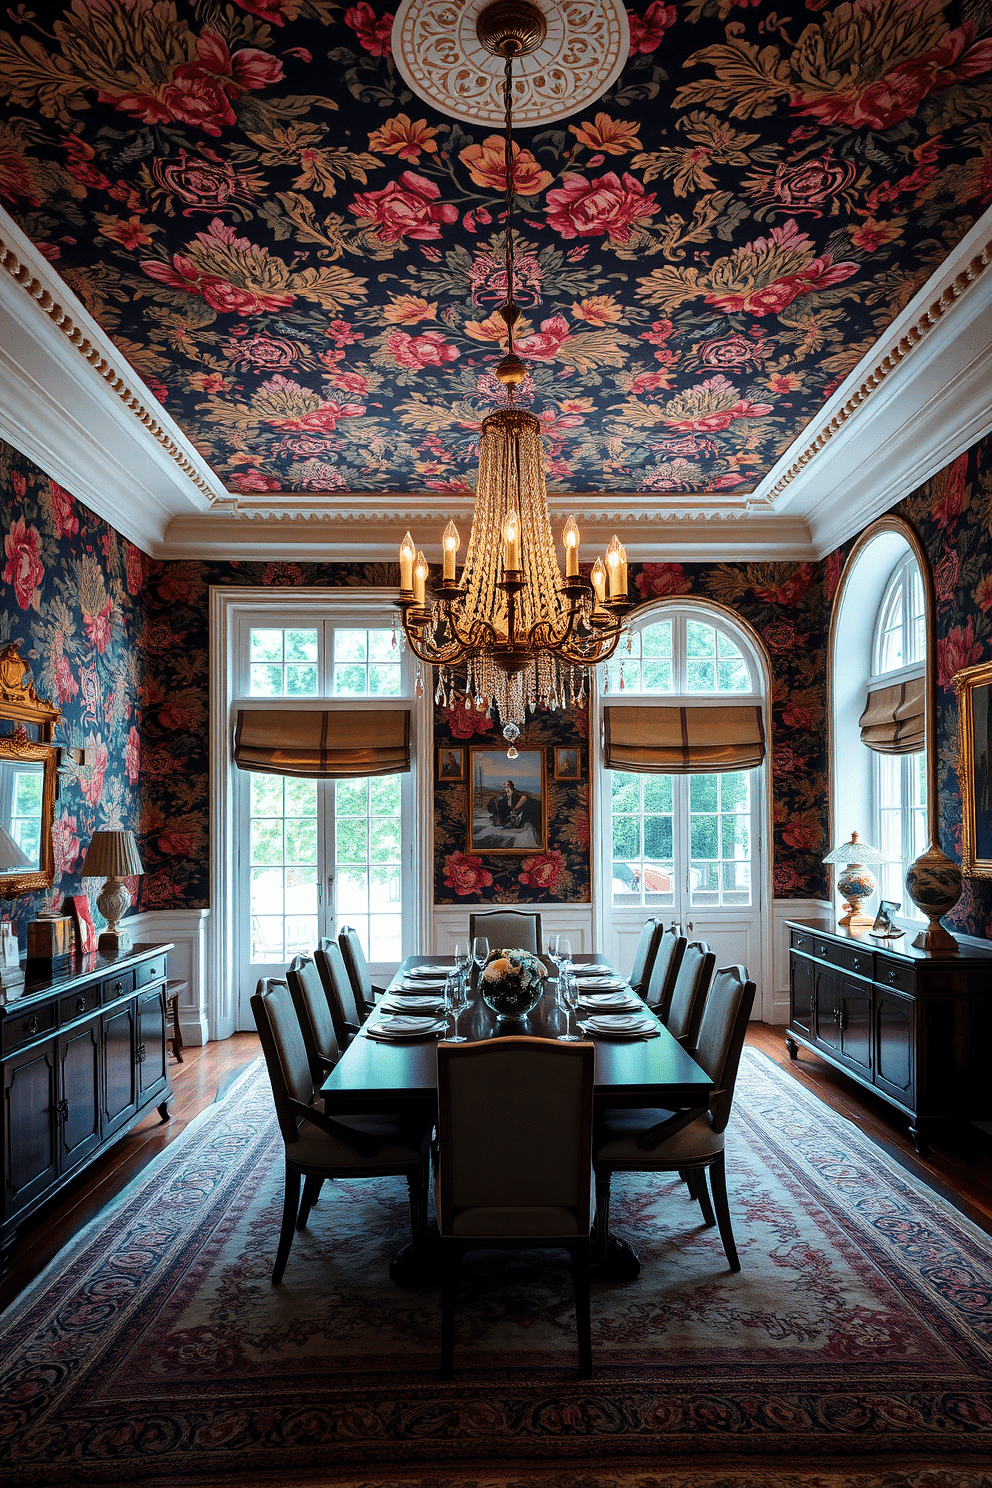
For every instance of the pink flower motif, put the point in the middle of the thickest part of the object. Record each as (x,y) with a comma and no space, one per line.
(91,781)
(20,486)
(254,480)
(465,875)
(955,497)
(408,208)
(132,756)
(785,760)
(791,591)
(415,352)
(65,843)
(647,30)
(64,518)
(178,843)
(464,720)
(955,651)
(201,93)
(786,879)
(66,685)
(543,872)
(323,420)
(374,32)
(582,209)
(657,579)
(97,627)
(134,564)
(25,569)
(544,345)
(780,636)
(803,839)
(945,576)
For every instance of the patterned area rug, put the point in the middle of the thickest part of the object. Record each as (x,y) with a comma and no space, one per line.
(854,1350)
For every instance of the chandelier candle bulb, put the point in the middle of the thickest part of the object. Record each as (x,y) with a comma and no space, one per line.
(570,537)
(451,542)
(408,554)
(420,572)
(511,544)
(615,567)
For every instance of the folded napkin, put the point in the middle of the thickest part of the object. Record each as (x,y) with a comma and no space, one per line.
(585,968)
(603,984)
(620,1025)
(399,1029)
(610,1002)
(429,973)
(422,988)
(394,1002)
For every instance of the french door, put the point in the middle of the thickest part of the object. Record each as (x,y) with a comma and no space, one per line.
(314,855)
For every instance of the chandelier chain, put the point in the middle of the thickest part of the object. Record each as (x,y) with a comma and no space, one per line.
(510,199)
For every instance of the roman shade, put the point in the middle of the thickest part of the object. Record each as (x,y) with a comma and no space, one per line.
(894,720)
(664,740)
(322,745)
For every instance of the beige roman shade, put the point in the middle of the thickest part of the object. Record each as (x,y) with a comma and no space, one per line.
(894,720)
(660,740)
(323,745)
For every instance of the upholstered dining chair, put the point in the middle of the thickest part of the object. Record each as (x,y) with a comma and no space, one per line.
(347,1013)
(512,1166)
(647,949)
(314,1012)
(661,983)
(685,1008)
(318,1147)
(687,1142)
(508,929)
(357,968)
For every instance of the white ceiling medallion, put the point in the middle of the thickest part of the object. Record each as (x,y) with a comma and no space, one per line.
(440,56)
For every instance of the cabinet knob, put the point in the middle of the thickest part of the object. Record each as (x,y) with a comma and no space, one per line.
(32,1025)
(857,963)
(800,940)
(892,975)
(80,1004)
(118,986)
(139,1054)
(62,1111)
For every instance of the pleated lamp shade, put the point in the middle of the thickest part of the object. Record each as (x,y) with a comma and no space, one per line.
(112,854)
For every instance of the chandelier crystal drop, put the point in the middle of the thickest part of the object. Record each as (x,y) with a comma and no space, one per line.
(513,631)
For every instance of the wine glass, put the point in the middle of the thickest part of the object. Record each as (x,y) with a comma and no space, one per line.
(567,998)
(455,1002)
(564,956)
(480,951)
(552,951)
(463,957)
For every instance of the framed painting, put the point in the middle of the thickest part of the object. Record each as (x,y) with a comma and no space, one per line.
(507,802)
(450,763)
(568,762)
(974,688)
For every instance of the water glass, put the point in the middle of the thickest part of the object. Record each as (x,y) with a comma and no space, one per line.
(480,951)
(455,1002)
(567,999)
(463,956)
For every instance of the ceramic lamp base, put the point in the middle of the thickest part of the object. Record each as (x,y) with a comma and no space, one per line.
(854,919)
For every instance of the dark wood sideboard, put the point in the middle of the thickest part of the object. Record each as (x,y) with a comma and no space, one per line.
(912,1027)
(85,1056)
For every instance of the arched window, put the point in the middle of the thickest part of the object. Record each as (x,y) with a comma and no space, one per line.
(681,654)
(899,781)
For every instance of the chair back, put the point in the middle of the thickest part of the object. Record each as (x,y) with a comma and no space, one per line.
(689,993)
(647,949)
(721,1037)
(285,1052)
(508,929)
(515,1136)
(668,959)
(345,1008)
(356,966)
(314,1012)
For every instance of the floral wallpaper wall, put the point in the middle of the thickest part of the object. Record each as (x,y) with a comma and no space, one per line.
(73,600)
(303,260)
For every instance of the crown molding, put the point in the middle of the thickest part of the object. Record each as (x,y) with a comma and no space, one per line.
(73,405)
(913,403)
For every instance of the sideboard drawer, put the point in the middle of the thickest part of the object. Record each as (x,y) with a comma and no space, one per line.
(859,959)
(802,940)
(77,1003)
(23,1027)
(150,971)
(895,974)
(118,986)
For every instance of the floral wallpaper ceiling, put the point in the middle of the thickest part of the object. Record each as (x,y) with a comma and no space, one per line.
(303,260)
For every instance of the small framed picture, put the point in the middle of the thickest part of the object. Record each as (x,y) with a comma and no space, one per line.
(450,763)
(79,907)
(568,763)
(883,926)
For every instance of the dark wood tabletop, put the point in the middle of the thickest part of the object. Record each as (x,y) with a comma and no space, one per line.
(632,1073)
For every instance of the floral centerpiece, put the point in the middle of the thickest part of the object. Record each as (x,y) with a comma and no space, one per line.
(512,982)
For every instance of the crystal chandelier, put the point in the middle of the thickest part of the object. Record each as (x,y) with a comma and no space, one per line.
(521,633)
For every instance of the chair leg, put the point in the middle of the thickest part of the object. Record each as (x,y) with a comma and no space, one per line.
(451,1263)
(580,1287)
(290,1209)
(417,1183)
(311,1193)
(601,1225)
(718,1178)
(699,1191)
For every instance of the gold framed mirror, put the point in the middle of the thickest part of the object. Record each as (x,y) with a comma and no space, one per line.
(974,690)
(28,778)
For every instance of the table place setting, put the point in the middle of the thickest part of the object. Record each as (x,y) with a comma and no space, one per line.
(422,987)
(583,969)
(620,1026)
(428,973)
(419,1003)
(620,1001)
(402,1029)
(601,984)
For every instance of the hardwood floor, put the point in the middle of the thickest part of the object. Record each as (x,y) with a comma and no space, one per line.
(958,1163)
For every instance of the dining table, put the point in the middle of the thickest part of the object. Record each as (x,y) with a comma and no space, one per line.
(653,1071)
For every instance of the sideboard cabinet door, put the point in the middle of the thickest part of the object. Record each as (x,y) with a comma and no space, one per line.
(801,991)
(895,1041)
(119,1082)
(79,1113)
(153,1050)
(30,1129)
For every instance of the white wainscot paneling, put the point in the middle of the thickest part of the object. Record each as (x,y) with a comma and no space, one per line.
(186,929)
(790,909)
(573,920)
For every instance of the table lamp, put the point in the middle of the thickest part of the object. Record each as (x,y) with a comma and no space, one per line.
(11,856)
(856,882)
(113,855)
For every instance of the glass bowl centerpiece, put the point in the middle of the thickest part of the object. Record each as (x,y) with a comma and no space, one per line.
(512,982)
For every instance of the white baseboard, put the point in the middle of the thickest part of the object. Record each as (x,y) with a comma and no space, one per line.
(186,929)
(782,910)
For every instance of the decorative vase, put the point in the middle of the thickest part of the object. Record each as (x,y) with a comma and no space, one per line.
(857,883)
(511,984)
(934,884)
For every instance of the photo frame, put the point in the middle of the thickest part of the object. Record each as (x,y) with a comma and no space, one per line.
(450,763)
(568,762)
(883,928)
(974,689)
(78,906)
(507,802)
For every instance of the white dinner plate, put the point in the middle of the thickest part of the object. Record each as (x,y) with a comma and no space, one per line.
(620,1026)
(586,970)
(610,1002)
(603,984)
(428,973)
(395,1002)
(422,988)
(400,1029)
